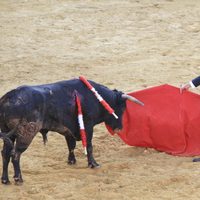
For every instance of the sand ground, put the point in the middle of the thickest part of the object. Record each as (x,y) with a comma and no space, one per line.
(124,44)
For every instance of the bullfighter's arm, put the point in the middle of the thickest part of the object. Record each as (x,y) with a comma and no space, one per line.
(193,83)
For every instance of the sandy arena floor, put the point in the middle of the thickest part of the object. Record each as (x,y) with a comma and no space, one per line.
(124,44)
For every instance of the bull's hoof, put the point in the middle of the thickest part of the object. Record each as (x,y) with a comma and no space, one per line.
(93,165)
(5,182)
(71,162)
(196,160)
(18,181)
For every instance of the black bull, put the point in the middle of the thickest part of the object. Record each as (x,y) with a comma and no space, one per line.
(27,110)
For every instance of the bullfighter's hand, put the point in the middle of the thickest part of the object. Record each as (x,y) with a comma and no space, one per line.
(184,87)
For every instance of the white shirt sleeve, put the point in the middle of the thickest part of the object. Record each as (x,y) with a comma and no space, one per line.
(191,84)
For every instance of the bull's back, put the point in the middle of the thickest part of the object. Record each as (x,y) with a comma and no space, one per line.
(52,103)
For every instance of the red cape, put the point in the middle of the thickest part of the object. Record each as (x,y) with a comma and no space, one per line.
(169,121)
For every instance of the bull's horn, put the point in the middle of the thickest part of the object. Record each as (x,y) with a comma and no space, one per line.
(133,99)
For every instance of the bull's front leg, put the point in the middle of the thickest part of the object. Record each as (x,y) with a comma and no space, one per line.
(71,143)
(91,161)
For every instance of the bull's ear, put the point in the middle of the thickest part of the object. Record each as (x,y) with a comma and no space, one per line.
(133,99)
(118,97)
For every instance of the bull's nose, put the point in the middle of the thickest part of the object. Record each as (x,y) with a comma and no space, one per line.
(117,130)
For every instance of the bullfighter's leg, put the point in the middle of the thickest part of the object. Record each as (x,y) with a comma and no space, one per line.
(71,142)
(196,160)
(6,154)
(91,161)
(27,132)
